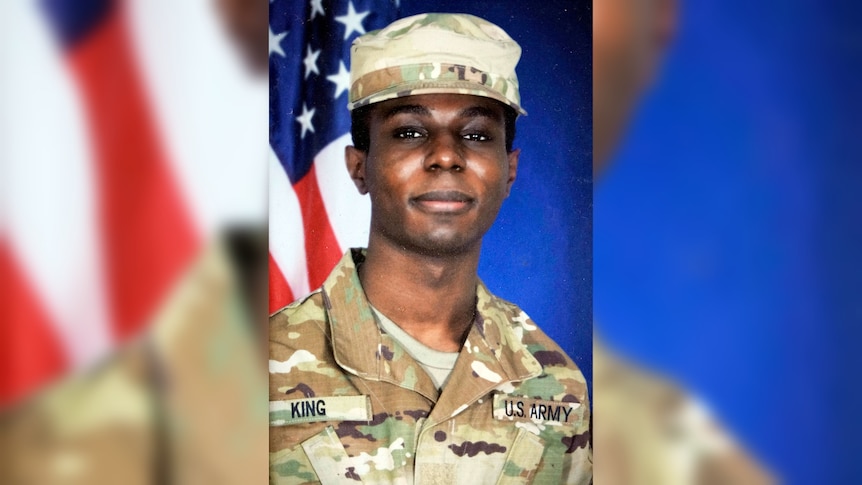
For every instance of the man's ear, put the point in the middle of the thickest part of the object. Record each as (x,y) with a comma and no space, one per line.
(355,160)
(513,169)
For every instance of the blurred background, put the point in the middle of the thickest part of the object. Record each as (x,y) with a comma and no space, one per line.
(727,220)
(133,148)
(133,162)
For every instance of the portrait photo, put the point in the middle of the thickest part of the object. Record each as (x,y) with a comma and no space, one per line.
(430,241)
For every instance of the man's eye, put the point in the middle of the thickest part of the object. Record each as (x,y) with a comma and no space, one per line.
(476,137)
(408,134)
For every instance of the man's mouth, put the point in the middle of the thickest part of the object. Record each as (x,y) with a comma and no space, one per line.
(443,201)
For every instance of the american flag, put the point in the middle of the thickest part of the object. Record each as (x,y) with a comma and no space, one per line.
(105,205)
(315,211)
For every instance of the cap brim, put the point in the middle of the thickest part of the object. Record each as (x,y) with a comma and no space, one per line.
(434,87)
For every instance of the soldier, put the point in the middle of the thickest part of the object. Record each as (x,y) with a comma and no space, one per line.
(403,367)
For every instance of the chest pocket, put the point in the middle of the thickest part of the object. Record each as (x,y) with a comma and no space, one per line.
(318,460)
(519,466)
(322,459)
(523,459)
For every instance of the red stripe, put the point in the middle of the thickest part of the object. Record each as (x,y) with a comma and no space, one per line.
(279,291)
(321,247)
(147,233)
(30,352)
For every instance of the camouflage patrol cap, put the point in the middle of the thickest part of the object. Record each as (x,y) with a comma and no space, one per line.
(434,53)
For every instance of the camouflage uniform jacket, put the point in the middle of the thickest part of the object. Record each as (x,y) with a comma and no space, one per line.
(348,404)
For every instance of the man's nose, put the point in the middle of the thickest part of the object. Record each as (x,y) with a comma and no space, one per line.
(445,153)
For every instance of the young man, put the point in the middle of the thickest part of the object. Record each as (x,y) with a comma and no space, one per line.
(402,367)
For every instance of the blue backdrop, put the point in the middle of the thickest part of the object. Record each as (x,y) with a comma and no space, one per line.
(539,253)
(728,230)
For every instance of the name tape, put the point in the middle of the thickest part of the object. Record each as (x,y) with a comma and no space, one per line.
(325,408)
(513,408)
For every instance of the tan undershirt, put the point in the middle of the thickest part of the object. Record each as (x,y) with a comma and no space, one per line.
(437,364)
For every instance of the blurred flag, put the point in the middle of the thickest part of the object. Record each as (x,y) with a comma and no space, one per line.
(142,231)
(315,211)
(130,135)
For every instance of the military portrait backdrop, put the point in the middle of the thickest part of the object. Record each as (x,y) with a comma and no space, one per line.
(537,254)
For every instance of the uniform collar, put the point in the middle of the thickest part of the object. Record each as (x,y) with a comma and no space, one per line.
(493,356)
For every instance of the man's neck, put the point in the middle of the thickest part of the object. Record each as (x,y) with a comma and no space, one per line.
(433,299)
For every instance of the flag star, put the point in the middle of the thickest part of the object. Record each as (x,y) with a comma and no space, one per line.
(352,21)
(275,42)
(341,80)
(311,61)
(317,6)
(305,120)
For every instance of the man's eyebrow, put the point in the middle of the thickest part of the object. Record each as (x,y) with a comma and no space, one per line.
(480,111)
(416,109)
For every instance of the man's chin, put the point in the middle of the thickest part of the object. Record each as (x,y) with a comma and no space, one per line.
(444,246)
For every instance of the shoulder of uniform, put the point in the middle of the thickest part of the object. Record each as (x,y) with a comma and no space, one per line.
(297,303)
(303,309)
(524,326)
(299,323)
(513,314)
(543,348)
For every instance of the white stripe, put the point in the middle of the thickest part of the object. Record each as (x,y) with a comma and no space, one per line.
(301,356)
(211,114)
(48,187)
(349,212)
(484,372)
(286,236)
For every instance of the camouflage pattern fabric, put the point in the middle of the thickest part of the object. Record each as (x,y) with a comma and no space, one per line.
(348,404)
(183,404)
(649,432)
(435,53)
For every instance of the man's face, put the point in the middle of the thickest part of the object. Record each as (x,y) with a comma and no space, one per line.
(437,171)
